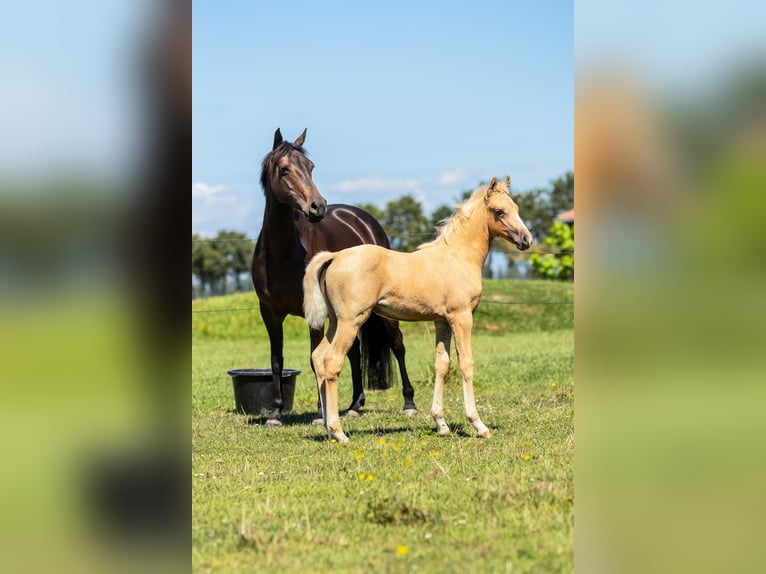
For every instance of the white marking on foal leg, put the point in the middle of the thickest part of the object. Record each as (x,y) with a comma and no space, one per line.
(462,330)
(334,357)
(470,410)
(443,334)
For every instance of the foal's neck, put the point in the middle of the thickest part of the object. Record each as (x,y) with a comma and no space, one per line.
(473,239)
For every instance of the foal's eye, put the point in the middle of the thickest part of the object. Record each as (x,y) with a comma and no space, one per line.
(283,170)
(499,213)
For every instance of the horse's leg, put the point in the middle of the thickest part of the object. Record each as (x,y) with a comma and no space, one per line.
(273,324)
(461,327)
(397,346)
(316,336)
(355,358)
(443,335)
(342,339)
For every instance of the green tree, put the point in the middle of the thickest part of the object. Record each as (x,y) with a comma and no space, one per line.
(440,214)
(539,207)
(373,210)
(559,266)
(209,265)
(238,253)
(405,224)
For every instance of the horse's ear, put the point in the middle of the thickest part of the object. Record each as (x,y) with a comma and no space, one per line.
(277,139)
(508,182)
(301,138)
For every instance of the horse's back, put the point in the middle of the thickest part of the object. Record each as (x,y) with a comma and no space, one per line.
(343,226)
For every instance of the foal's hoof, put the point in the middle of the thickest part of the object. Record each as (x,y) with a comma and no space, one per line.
(338,437)
(485,434)
(410,412)
(352,414)
(274,423)
(317,422)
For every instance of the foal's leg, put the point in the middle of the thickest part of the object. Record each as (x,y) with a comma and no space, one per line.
(316,336)
(397,346)
(443,335)
(461,327)
(342,339)
(317,362)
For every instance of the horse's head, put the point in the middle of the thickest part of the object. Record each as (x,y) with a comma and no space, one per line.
(503,215)
(286,173)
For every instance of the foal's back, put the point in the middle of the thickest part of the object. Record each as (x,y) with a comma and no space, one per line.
(419,286)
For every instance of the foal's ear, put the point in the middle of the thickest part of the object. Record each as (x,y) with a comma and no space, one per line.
(491,189)
(277,139)
(301,138)
(508,182)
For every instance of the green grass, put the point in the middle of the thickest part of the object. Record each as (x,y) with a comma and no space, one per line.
(492,316)
(284,500)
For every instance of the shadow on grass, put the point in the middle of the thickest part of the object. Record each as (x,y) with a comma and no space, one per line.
(289,419)
(322,436)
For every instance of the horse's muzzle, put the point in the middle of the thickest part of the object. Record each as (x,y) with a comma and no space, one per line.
(317,210)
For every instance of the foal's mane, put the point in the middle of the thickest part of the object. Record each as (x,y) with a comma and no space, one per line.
(463,212)
(274,156)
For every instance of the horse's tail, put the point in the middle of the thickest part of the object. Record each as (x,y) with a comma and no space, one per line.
(314,303)
(376,354)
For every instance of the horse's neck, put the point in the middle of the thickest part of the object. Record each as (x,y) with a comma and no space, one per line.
(279,234)
(472,240)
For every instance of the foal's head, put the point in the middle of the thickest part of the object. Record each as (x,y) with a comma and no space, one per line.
(503,215)
(286,173)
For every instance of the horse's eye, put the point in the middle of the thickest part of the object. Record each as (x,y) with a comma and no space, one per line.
(283,170)
(499,213)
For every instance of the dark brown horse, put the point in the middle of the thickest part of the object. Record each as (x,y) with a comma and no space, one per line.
(298,224)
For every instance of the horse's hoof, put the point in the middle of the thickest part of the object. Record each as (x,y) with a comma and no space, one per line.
(351,413)
(485,434)
(410,412)
(274,423)
(443,431)
(317,422)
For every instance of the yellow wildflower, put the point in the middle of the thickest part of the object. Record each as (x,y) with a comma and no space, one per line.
(402,550)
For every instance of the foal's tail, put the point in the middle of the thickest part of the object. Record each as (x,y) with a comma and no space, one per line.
(374,337)
(314,304)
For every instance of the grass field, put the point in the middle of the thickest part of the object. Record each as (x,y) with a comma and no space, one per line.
(397,498)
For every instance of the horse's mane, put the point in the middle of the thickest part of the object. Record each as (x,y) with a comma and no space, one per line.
(462,214)
(274,156)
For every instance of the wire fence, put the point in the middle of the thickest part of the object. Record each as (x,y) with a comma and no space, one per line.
(489,302)
(486,302)
(538,250)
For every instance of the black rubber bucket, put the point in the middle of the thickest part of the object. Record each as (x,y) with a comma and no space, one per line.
(254,392)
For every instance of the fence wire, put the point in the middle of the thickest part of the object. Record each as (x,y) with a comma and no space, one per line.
(426,235)
(232,309)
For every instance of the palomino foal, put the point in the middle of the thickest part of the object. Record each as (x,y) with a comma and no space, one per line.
(440,282)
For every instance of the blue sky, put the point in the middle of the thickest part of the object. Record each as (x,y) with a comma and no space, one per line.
(426,98)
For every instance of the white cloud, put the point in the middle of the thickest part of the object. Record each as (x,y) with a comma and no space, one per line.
(378,184)
(201,190)
(453,177)
(216,207)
